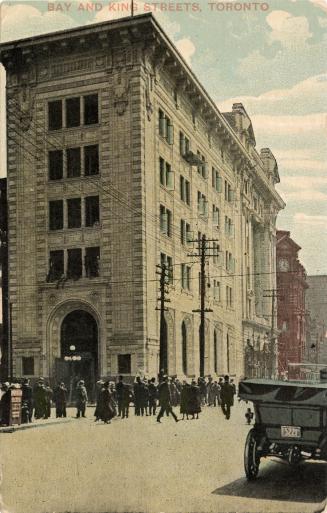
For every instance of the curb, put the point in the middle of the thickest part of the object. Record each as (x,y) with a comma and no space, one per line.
(12,429)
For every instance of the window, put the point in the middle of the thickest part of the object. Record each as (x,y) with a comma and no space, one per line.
(124,364)
(184,348)
(215,215)
(56,165)
(216,290)
(216,180)
(185,232)
(55,115)
(228,227)
(92,262)
(229,193)
(74,263)
(56,215)
(91,160)
(73,162)
(202,168)
(56,265)
(166,174)
(167,261)
(215,252)
(91,109)
(185,190)
(165,221)
(184,144)
(92,211)
(28,365)
(229,296)
(186,277)
(166,127)
(230,262)
(73,115)
(202,205)
(74,212)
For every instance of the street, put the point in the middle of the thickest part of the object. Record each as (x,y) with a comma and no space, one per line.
(139,465)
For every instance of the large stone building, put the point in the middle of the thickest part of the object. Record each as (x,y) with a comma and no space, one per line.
(117,159)
(4,307)
(316,305)
(291,309)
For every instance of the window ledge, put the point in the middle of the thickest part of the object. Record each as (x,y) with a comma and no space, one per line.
(73,178)
(73,128)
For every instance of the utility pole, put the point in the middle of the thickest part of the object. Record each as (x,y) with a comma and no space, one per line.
(273,294)
(163,271)
(132,8)
(203,248)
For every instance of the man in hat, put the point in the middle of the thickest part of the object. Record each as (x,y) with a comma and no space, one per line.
(165,400)
(27,399)
(227,397)
(60,399)
(81,399)
(40,401)
(5,404)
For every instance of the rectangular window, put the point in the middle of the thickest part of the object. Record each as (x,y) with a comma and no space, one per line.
(92,211)
(92,262)
(216,180)
(124,364)
(73,112)
(184,144)
(202,168)
(165,221)
(216,290)
(216,252)
(56,215)
(55,115)
(185,190)
(185,232)
(202,205)
(186,277)
(91,160)
(28,365)
(91,109)
(56,265)
(73,162)
(166,174)
(74,263)
(215,215)
(74,213)
(56,164)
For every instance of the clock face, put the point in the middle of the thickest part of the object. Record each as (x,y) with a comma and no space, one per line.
(283,264)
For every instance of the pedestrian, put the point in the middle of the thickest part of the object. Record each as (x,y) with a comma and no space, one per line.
(40,400)
(153,393)
(216,393)
(249,415)
(60,400)
(203,390)
(185,394)
(108,410)
(165,400)
(98,387)
(234,386)
(27,401)
(126,399)
(210,391)
(119,394)
(140,396)
(5,403)
(81,399)
(195,399)
(227,397)
(220,384)
(48,400)
(145,398)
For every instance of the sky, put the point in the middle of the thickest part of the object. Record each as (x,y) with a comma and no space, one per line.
(271,57)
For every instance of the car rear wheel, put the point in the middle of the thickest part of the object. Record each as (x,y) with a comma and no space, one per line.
(251,456)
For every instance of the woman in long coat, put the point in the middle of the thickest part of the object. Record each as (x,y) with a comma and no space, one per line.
(185,392)
(194,402)
(107,404)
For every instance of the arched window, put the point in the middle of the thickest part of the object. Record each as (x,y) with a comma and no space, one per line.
(184,348)
(215,352)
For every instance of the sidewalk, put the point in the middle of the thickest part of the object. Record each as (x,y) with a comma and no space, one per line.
(52,421)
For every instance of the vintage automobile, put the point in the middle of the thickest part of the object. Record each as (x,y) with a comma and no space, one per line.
(290,421)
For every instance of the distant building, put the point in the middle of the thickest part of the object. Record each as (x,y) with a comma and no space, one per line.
(291,288)
(4,278)
(316,304)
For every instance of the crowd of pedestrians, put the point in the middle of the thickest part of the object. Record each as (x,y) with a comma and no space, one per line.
(149,397)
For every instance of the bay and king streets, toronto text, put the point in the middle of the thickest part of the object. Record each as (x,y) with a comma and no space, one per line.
(139,7)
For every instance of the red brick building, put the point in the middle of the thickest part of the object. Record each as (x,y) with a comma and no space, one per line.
(291,286)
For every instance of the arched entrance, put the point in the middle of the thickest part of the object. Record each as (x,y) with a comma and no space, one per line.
(78,351)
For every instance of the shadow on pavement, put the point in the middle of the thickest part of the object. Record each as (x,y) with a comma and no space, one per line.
(305,483)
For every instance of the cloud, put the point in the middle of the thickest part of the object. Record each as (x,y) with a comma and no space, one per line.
(285,125)
(187,48)
(20,21)
(302,218)
(304,196)
(288,30)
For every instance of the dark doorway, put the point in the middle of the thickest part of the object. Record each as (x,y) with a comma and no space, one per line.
(79,352)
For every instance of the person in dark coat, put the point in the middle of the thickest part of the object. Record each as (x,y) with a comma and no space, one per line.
(153,392)
(185,392)
(27,400)
(5,403)
(40,400)
(227,397)
(107,405)
(126,399)
(97,412)
(165,400)
(119,394)
(145,398)
(48,400)
(194,400)
(138,395)
(60,400)
(81,399)
(202,390)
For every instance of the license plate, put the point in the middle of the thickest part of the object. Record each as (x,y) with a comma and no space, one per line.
(290,432)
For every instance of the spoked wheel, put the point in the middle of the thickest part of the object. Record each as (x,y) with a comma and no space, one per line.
(251,456)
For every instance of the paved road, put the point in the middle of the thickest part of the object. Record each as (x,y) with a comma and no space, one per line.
(138,465)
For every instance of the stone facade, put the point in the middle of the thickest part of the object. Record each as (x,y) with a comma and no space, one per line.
(166,155)
(291,308)
(316,306)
